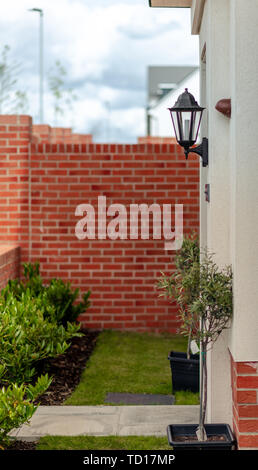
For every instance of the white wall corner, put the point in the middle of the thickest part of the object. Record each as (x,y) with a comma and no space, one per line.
(196,14)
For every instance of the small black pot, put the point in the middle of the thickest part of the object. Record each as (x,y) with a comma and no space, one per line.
(187,430)
(185,372)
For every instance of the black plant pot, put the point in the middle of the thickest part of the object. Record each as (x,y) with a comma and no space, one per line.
(183,437)
(185,372)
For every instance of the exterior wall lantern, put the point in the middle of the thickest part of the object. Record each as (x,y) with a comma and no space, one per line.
(186,117)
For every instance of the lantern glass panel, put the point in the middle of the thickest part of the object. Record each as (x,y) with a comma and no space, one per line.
(196,121)
(177,123)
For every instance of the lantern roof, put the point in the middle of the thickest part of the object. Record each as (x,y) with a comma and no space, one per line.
(186,102)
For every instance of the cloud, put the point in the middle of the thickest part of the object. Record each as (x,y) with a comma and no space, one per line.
(140,29)
(106,47)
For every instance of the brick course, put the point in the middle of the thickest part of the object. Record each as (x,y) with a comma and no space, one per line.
(244,377)
(46,134)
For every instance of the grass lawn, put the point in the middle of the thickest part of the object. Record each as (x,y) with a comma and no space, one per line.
(130,363)
(103,443)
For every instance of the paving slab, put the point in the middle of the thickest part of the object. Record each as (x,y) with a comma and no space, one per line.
(71,421)
(139,420)
(153,420)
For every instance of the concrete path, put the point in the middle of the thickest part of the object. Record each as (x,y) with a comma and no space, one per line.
(146,420)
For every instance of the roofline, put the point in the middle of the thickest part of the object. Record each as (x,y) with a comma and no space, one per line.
(197,7)
(170,3)
(197,14)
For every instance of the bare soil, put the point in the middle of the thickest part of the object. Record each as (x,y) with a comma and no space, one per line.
(67,369)
(193,438)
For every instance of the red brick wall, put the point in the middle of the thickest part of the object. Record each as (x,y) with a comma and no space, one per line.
(245,403)
(55,135)
(9,263)
(15,136)
(149,139)
(43,184)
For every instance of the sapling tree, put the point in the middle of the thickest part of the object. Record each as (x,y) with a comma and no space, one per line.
(62,95)
(210,314)
(183,285)
(203,292)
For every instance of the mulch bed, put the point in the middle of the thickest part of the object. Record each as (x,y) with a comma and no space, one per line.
(66,371)
(22,445)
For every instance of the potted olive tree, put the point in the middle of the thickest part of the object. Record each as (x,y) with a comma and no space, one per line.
(211,312)
(183,287)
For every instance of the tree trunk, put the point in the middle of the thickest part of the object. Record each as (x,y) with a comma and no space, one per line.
(189,343)
(201,433)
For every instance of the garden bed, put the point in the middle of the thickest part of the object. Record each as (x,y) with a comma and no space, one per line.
(66,369)
(22,445)
(121,362)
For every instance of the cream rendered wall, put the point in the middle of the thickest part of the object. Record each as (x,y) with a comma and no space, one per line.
(204,133)
(244,151)
(229,223)
(215,215)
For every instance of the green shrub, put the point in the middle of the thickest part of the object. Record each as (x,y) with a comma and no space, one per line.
(26,337)
(62,297)
(17,405)
(57,300)
(35,324)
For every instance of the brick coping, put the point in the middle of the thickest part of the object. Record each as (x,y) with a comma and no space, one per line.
(4,248)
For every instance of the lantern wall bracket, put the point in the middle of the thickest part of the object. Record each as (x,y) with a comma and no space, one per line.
(201,150)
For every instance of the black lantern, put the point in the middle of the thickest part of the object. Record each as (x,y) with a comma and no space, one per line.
(186,117)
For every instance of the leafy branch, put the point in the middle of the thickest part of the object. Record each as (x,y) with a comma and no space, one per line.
(12,100)
(63,97)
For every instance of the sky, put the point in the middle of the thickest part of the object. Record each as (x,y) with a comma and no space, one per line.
(105,47)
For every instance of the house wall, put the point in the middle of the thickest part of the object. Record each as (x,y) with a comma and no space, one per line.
(215,219)
(244,131)
(229,222)
(43,183)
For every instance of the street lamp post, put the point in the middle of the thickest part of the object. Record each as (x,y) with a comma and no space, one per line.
(41,72)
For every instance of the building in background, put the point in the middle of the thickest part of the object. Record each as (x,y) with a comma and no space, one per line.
(164,85)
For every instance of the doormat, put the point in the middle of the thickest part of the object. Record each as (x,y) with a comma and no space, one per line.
(139,399)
